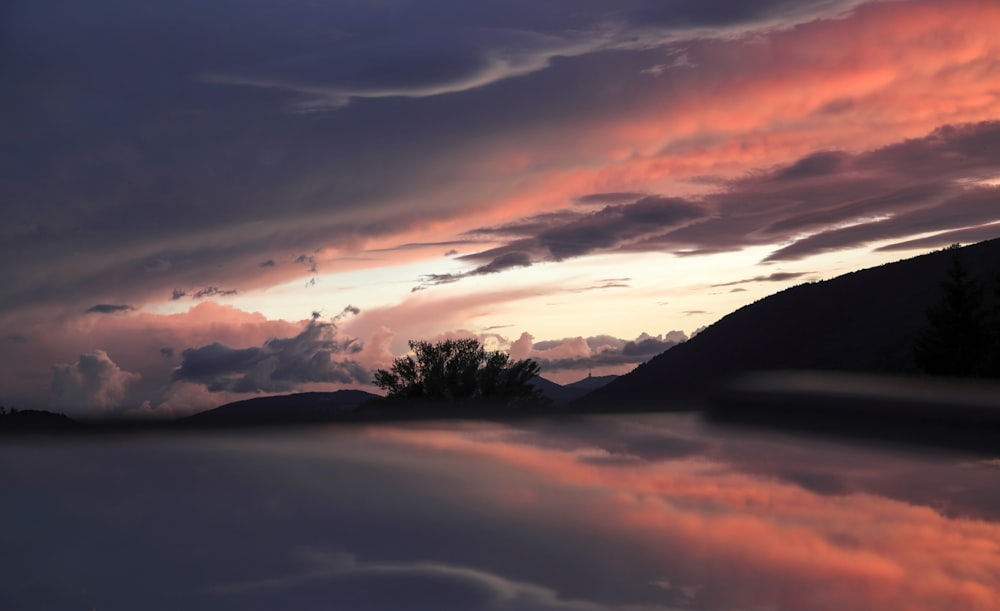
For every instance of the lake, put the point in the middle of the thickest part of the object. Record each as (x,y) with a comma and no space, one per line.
(644,512)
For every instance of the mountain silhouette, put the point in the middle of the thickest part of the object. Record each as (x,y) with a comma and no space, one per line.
(864,321)
(562,394)
(293,408)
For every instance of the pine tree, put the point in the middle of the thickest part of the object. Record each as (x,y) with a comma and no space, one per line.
(955,341)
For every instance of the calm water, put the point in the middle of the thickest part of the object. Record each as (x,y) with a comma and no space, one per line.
(639,513)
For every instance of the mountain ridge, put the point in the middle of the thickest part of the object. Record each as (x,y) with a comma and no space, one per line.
(862,321)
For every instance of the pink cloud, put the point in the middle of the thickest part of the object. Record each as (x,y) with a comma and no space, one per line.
(93,385)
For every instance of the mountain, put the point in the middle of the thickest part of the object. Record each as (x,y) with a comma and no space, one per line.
(561,394)
(864,321)
(324,406)
(34,420)
(299,407)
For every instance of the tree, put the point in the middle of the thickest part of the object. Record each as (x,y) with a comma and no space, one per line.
(459,370)
(956,339)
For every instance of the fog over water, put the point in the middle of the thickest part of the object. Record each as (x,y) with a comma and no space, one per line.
(648,512)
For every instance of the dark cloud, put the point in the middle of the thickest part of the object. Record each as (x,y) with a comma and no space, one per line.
(212,291)
(616,224)
(568,234)
(108,308)
(177,294)
(974,206)
(279,365)
(268,263)
(531,225)
(605,199)
(309,261)
(422,245)
(842,200)
(647,347)
(501,263)
(181,158)
(157,265)
(960,236)
(167,352)
(823,163)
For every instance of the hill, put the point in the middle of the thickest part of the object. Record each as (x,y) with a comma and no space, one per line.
(864,321)
(298,407)
(344,404)
(562,394)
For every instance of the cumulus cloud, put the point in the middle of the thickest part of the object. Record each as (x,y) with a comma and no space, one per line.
(319,353)
(94,384)
(582,354)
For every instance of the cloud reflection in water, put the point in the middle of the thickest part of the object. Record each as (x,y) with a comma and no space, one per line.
(652,512)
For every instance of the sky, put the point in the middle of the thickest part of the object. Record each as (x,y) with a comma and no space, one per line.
(204,201)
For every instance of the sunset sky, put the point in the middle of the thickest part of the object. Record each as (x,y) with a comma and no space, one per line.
(207,200)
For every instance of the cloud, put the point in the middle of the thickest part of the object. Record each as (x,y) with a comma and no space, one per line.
(947,238)
(279,365)
(415,585)
(501,263)
(583,354)
(94,384)
(838,199)
(107,308)
(481,47)
(556,237)
(309,261)
(268,263)
(552,135)
(774,277)
(416,64)
(606,199)
(212,291)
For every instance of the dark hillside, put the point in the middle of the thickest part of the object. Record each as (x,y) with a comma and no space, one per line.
(865,321)
(299,407)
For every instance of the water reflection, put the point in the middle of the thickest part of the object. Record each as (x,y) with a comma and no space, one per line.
(652,512)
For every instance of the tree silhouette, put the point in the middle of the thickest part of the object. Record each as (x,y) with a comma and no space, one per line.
(993,328)
(458,370)
(956,340)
